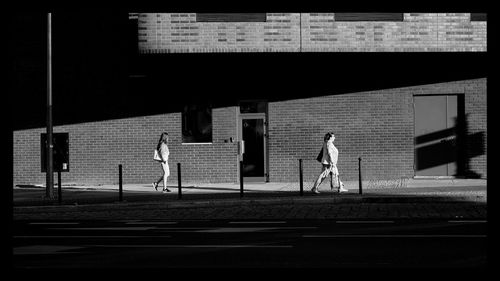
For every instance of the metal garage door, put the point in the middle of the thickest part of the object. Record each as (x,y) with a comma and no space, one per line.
(436,120)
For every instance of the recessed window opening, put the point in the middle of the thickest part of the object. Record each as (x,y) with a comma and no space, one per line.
(197,124)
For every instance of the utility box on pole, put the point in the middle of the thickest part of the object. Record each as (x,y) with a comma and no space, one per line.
(60,152)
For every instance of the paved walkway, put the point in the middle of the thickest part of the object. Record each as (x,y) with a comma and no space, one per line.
(399,186)
(422,199)
(425,187)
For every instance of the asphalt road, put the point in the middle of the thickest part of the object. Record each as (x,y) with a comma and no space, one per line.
(49,244)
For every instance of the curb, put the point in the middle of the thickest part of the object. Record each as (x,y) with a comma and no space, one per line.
(200,203)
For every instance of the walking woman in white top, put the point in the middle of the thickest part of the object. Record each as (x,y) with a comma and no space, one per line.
(164,153)
(329,162)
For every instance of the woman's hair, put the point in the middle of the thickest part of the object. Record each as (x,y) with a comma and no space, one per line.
(328,136)
(163,138)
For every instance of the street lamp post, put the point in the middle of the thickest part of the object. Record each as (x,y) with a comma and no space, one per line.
(49,176)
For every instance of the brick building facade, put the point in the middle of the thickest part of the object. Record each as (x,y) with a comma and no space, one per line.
(313,32)
(377,125)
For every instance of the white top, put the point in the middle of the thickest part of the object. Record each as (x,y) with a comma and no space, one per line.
(330,153)
(164,152)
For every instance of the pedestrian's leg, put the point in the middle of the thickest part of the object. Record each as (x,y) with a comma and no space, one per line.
(157,182)
(320,179)
(341,185)
(331,180)
(165,177)
(334,180)
(165,183)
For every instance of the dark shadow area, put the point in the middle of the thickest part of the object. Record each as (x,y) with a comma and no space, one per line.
(473,145)
(434,155)
(99,75)
(474,148)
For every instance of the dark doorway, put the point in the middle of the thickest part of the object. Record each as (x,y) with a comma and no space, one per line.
(253,133)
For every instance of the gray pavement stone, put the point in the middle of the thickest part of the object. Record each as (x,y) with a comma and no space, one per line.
(454,201)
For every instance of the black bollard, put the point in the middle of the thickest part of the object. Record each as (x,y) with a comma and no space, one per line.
(241,178)
(59,191)
(179,180)
(360,178)
(120,183)
(301,179)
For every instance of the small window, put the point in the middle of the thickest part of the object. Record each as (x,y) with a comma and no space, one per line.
(478,17)
(197,124)
(369,17)
(231,17)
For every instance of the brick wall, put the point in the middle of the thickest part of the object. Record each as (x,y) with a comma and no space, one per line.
(312,32)
(374,125)
(377,126)
(97,148)
(170,33)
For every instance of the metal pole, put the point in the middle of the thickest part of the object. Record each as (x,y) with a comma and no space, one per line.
(360,179)
(59,191)
(50,169)
(241,178)
(120,182)
(300,32)
(301,178)
(179,180)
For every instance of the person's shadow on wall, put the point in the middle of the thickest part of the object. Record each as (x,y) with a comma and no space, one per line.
(454,144)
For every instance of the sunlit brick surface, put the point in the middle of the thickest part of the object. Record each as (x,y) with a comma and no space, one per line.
(311,32)
(374,125)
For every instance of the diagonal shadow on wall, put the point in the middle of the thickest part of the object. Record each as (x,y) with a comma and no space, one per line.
(452,145)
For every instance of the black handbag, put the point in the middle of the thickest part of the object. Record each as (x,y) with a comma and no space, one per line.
(320,156)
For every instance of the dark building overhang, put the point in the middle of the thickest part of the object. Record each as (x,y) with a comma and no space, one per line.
(98,74)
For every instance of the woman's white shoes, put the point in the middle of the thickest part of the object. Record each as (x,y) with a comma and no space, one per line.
(342,189)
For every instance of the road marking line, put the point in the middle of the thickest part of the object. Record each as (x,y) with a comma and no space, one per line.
(364,221)
(236,229)
(229,229)
(237,222)
(146,222)
(398,236)
(91,236)
(467,221)
(43,223)
(191,246)
(181,228)
(106,228)
(44,249)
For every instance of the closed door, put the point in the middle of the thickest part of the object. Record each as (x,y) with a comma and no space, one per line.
(436,122)
(254,156)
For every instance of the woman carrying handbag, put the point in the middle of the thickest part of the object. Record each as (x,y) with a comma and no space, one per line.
(161,155)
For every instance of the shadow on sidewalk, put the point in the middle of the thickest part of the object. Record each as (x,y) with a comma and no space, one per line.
(35,196)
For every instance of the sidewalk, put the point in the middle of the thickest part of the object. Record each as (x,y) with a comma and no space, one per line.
(449,200)
(412,191)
